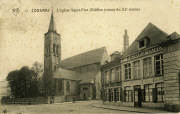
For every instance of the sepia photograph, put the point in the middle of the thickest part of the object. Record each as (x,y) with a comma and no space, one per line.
(89,56)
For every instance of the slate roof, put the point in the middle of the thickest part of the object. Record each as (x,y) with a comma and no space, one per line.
(65,74)
(154,34)
(174,36)
(89,57)
(87,76)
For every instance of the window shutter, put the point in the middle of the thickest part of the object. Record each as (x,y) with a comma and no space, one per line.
(131,95)
(115,94)
(154,94)
(142,95)
(124,96)
(121,96)
(109,95)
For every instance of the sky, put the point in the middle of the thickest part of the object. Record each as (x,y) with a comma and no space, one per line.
(22,35)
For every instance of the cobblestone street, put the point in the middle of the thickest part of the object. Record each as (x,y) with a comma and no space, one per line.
(69,107)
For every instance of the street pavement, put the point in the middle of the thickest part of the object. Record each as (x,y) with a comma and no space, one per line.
(69,107)
(128,109)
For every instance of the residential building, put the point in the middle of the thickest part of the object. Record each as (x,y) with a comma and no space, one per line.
(147,74)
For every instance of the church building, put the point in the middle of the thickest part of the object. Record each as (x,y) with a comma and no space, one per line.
(76,77)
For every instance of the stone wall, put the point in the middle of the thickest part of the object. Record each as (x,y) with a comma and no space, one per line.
(38,100)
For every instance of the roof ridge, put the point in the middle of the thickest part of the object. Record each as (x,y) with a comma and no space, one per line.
(84,52)
(158,28)
(149,30)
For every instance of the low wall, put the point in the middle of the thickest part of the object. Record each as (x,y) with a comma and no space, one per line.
(37,100)
(59,99)
(69,98)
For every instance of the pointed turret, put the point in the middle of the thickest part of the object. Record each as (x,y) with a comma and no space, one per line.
(52,26)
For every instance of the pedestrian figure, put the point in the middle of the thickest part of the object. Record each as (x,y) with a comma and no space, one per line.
(5,111)
(73,99)
(51,100)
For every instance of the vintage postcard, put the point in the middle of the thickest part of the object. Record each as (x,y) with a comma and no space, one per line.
(89,56)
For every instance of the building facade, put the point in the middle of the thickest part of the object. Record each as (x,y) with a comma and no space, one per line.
(146,74)
(76,77)
(5,89)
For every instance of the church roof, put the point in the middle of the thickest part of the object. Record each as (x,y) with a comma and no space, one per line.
(154,34)
(52,26)
(65,74)
(87,77)
(89,57)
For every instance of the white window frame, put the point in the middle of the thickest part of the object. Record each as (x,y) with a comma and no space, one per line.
(112,74)
(147,67)
(136,69)
(118,93)
(129,74)
(161,64)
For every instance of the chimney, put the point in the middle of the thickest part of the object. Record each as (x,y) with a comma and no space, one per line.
(115,55)
(126,40)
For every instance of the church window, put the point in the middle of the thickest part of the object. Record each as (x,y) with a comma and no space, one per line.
(54,48)
(67,86)
(57,49)
(54,68)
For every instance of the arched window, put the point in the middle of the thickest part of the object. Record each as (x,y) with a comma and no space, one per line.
(57,49)
(67,86)
(60,85)
(54,46)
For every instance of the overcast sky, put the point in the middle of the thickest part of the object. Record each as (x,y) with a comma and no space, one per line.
(22,36)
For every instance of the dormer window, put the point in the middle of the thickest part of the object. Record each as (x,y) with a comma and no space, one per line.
(141,44)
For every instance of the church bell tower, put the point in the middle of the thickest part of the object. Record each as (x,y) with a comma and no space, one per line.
(52,49)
